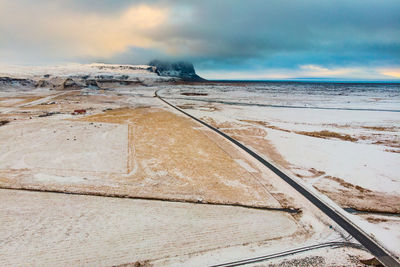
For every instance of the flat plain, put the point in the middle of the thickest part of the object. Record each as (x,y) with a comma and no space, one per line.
(106,174)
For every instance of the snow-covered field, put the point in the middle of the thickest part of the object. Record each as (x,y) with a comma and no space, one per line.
(64,230)
(128,144)
(44,145)
(360,146)
(342,139)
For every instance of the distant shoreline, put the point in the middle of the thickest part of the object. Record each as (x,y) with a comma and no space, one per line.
(306,81)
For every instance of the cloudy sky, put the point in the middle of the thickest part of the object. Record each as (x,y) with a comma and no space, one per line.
(225,39)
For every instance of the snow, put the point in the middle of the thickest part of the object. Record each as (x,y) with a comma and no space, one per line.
(386,232)
(150,152)
(44,177)
(359,163)
(65,146)
(64,230)
(142,73)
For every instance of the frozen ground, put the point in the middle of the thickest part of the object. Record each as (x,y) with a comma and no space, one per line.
(345,142)
(104,231)
(64,230)
(43,145)
(130,145)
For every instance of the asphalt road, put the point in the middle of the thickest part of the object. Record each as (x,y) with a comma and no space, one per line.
(370,244)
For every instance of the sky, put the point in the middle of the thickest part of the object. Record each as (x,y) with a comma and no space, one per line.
(224,39)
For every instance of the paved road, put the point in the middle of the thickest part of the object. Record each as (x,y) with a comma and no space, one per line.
(378,251)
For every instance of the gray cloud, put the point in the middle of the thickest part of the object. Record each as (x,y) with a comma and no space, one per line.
(231,34)
(342,32)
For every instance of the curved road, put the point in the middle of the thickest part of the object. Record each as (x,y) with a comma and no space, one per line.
(374,248)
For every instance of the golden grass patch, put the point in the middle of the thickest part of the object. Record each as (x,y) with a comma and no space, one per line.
(328,134)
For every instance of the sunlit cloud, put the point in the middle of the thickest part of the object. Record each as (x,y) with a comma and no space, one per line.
(319,71)
(80,34)
(247,75)
(391,72)
(305,71)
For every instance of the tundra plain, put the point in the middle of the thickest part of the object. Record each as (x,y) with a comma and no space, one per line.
(94,170)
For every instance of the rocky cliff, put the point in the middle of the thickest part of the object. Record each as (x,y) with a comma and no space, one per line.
(183,70)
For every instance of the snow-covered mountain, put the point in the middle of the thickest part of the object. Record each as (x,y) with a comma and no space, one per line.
(95,75)
(77,76)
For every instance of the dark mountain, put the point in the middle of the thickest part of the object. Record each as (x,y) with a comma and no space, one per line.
(181,69)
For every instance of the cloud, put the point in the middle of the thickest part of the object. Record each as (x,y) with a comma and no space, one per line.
(390,72)
(319,71)
(52,30)
(307,72)
(323,31)
(225,36)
